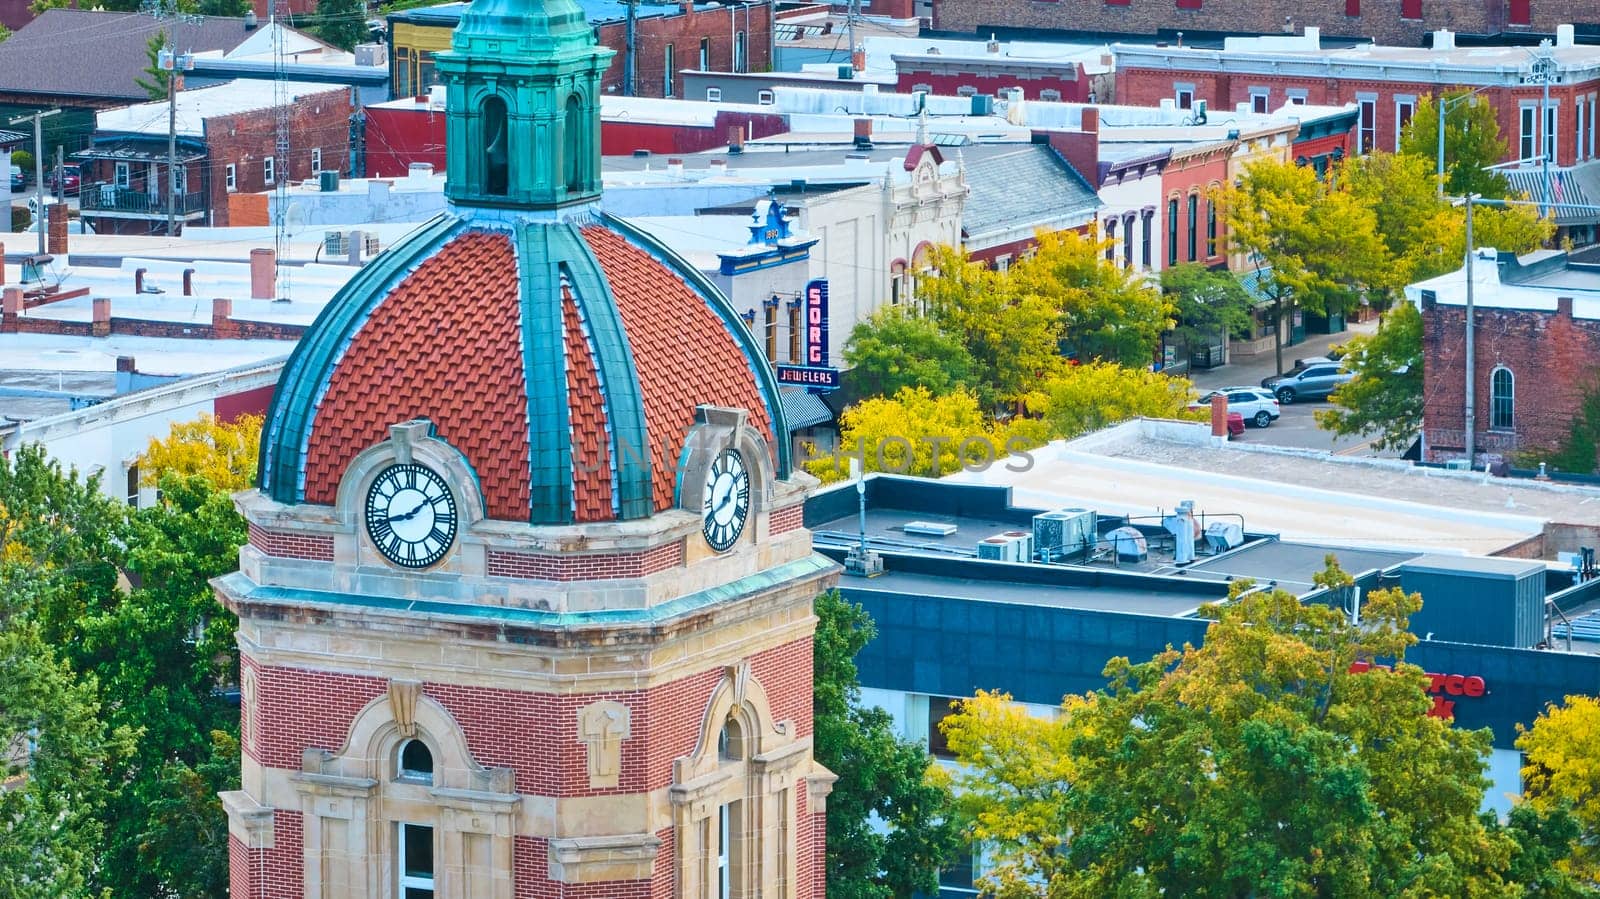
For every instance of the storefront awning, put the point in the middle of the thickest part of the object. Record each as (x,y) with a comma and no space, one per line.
(803,409)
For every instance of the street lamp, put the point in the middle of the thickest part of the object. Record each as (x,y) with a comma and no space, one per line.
(1469,423)
(1445,104)
(1544,72)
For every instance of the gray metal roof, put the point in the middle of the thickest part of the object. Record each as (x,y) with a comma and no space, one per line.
(1029,186)
(83,53)
(1571,189)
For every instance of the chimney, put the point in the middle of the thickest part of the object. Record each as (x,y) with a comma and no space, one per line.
(221,312)
(101,327)
(719,166)
(138,280)
(250,20)
(1566,36)
(1564,307)
(263,265)
(674,166)
(858,58)
(993,46)
(56,233)
(188,282)
(2,264)
(126,365)
(1219,416)
(735,139)
(1090,123)
(12,301)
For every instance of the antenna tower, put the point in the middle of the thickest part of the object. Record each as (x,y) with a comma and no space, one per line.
(280,164)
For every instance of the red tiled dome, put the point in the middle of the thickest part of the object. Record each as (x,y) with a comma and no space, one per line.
(564,363)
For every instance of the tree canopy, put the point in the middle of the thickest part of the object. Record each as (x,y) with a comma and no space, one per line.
(1559,772)
(1104,313)
(896,348)
(1259,763)
(883,779)
(1385,397)
(1208,304)
(1471,144)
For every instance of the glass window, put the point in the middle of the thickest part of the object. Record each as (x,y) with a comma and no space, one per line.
(1403,111)
(402,72)
(1111,240)
(1144,244)
(122,175)
(1502,399)
(1528,133)
(1369,125)
(1577,132)
(316,160)
(705,54)
(939,708)
(739,61)
(231,177)
(1411,9)
(667,72)
(714,94)
(1296,95)
(1211,228)
(1185,97)
(1172,231)
(416,761)
(1194,222)
(764,98)
(269,174)
(1550,133)
(724,842)
(1259,98)
(133,485)
(425,77)
(416,861)
(1127,241)
(1050,96)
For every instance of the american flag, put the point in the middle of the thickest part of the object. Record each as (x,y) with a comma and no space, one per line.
(1556,184)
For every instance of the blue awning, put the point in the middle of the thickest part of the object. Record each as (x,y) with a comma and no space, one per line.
(804,409)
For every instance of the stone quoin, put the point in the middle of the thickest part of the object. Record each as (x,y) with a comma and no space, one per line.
(476,662)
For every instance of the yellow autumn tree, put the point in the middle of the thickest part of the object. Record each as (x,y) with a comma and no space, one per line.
(915,432)
(223,452)
(1561,767)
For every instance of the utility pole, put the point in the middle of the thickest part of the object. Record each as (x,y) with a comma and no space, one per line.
(1471,421)
(850,16)
(1544,69)
(171,62)
(38,167)
(630,64)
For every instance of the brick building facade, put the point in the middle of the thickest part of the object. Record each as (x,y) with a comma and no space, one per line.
(1536,349)
(708,37)
(1396,22)
(227,142)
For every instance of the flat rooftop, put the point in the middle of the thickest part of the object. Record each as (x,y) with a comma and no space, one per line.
(1133,600)
(1291,564)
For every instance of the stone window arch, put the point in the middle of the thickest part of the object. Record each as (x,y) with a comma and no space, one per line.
(496,143)
(574,159)
(734,797)
(405,782)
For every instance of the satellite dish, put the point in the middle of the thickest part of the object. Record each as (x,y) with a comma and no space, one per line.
(294,218)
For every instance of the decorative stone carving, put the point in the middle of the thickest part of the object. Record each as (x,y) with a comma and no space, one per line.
(602,726)
(403,699)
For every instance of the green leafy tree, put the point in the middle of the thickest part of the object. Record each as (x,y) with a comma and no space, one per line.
(226,9)
(896,348)
(156,78)
(1013,340)
(1314,244)
(1258,764)
(1471,144)
(53,768)
(1385,397)
(1580,451)
(342,23)
(1106,313)
(1209,304)
(1559,772)
(915,432)
(185,840)
(882,777)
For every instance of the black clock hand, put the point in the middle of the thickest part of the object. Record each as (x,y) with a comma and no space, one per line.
(409,515)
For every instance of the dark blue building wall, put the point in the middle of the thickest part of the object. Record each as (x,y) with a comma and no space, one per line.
(953,647)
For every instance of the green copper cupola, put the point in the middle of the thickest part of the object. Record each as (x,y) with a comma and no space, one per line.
(523,105)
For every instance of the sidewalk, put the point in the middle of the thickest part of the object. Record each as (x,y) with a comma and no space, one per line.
(1250,370)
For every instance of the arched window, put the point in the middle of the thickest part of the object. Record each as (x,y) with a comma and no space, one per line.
(415,762)
(730,742)
(572,146)
(1502,399)
(1194,214)
(496,149)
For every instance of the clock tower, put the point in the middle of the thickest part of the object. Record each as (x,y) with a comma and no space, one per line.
(526,606)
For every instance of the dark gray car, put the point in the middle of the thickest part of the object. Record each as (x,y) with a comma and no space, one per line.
(1314,382)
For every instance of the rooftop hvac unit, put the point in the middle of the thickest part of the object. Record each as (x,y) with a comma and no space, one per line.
(1128,544)
(1222,536)
(335,243)
(371,55)
(1063,532)
(369,245)
(1012,546)
(328,180)
(929,528)
(1465,599)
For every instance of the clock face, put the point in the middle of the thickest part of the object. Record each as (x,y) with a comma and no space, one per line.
(411,515)
(727,500)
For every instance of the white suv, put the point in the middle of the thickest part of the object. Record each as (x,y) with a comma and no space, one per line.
(1259,407)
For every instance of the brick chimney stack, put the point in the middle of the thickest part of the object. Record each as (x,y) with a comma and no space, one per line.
(263,274)
(56,233)
(101,326)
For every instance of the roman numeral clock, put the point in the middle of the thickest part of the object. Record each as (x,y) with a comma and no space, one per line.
(411,515)
(727,500)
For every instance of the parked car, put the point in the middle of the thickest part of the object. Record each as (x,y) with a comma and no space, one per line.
(71,178)
(1259,407)
(1235,424)
(74,226)
(17,181)
(1314,382)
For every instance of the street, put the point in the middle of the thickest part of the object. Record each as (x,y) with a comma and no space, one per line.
(1298,426)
